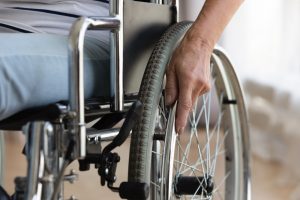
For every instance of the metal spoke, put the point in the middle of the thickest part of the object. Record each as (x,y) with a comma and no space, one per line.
(217,144)
(187,161)
(222,182)
(157,153)
(206,115)
(187,150)
(219,194)
(158,186)
(190,167)
(200,114)
(214,165)
(197,164)
(197,189)
(200,153)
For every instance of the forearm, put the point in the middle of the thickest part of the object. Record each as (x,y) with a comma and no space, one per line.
(212,20)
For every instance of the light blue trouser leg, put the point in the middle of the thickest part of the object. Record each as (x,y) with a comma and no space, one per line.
(34,70)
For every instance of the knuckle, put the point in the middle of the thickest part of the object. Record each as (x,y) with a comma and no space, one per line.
(205,84)
(190,76)
(195,78)
(186,105)
(206,87)
(170,90)
(170,87)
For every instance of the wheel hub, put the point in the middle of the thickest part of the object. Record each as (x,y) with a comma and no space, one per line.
(193,185)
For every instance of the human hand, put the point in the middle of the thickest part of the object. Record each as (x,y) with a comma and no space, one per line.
(188,76)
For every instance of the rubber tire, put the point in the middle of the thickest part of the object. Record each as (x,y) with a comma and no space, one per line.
(149,95)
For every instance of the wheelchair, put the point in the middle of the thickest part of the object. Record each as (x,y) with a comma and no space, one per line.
(210,160)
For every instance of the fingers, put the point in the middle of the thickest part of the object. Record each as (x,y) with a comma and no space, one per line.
(184,106)
(171,87)
(188,77)
(189,90)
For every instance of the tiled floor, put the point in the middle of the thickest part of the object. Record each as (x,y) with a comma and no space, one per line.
(266,177)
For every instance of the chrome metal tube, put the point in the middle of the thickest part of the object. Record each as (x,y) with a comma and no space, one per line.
(76,78)
(103,135)
(116,10)
(76,74)
(158,1)
(35,133)
(33,157)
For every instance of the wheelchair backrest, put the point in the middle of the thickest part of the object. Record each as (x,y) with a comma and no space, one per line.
(144,23)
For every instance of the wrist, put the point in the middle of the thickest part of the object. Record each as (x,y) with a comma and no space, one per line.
(199,40)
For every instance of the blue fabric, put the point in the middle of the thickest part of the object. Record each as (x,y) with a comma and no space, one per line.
(34,70)
(50,16)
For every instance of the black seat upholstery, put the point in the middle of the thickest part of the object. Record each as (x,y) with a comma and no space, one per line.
(52,112)
(45,113)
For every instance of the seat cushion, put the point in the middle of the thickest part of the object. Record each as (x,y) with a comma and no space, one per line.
(34,70)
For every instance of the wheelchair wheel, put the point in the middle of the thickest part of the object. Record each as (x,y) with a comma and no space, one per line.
(210,160)
(2,153)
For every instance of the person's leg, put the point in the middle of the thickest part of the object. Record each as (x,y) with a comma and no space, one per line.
(54,17)
(34,70)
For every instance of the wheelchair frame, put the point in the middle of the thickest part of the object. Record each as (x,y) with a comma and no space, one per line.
(114,23)
(48,148)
